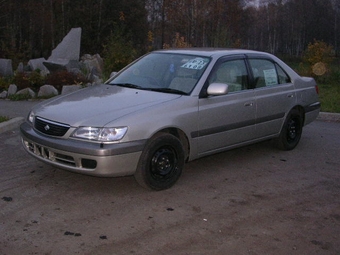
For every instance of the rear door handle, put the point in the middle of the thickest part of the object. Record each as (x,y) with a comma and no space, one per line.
(249,104)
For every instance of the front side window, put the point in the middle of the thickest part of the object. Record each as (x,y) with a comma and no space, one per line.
(231,72)
(266,73)
(164,72)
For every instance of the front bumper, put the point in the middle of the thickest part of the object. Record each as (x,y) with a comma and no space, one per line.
(84,157)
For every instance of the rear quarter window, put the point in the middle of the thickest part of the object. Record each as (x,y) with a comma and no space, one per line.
(283,77)
(267,73)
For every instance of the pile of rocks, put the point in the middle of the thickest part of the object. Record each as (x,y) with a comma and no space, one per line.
(45,91)
(65,57)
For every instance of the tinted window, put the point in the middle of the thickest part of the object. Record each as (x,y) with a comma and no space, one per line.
(267,73)
(283,77)
(233,73)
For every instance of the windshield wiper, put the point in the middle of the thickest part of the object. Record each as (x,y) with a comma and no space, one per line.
(165,90)
(127,85)
(169,90)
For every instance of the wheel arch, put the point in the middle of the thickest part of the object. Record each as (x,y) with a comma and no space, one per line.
(180,135)
(291,130)
(302,111)
(298,108)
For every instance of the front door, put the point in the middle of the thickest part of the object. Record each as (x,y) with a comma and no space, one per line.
(227,120)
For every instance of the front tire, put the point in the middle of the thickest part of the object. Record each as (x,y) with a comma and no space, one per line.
(161,162)
(291,131)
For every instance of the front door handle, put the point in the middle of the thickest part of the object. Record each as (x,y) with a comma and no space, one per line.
(249,104)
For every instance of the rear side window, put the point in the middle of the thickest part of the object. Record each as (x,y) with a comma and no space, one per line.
(283,77)
(267,73)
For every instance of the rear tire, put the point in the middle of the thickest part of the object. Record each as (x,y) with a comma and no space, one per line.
(291,131)
(161,162)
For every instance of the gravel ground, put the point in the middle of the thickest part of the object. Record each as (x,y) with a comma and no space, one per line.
(254,200)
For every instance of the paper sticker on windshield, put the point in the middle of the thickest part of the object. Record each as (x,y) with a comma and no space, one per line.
(196,63)
(270,77)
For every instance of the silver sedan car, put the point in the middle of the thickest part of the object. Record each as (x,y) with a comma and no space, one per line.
(169,107)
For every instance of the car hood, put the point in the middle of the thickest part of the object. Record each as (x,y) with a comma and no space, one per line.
(99,105)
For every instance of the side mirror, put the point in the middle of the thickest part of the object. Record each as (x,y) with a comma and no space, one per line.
(217,89)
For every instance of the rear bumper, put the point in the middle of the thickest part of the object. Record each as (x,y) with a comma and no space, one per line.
(96,159)
(312,112)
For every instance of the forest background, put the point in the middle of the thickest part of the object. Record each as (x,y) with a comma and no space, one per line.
(123,30)
(32,28)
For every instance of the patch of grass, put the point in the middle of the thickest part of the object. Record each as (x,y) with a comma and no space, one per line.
(329,89)
(19,97)
(329,84)
(3,118)
(329,95)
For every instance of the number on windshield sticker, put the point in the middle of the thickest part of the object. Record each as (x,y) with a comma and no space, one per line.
(196,63)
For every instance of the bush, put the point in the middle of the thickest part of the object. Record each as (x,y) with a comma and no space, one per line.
(32,80)
(19,97)
(5,82)
(36,80)
(318,58)
(319,51)
(60,78)
(21,80)
(3,118)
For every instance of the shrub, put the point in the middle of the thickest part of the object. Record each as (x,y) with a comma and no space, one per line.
(319,51)
(5,82)
(29,80)
(21,80)
(19,97)
(36,80)
(60,78)
(318,58)
(3,118)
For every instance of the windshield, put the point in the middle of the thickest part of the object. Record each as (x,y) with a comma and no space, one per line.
(163,72)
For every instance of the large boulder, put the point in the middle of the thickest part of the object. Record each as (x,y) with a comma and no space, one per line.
(3,94)
(6,68)
(47,91)
(26,91)
(12,89)
(94,64)
(66,51)
(38,63)
(20,68)
(53,67)
(73,66)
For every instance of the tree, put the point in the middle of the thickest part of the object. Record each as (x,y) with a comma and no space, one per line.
(32,28)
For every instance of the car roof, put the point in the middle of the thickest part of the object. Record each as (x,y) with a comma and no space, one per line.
(216,53)
(212,52)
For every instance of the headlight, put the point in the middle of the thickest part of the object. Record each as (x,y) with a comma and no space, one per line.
(100,134)
(31,116)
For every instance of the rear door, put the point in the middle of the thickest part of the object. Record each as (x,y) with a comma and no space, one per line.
(275,96)
(227,120)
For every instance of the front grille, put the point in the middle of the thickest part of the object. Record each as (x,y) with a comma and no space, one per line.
(49,127)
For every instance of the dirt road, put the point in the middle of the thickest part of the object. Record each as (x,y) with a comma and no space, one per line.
(253,200)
